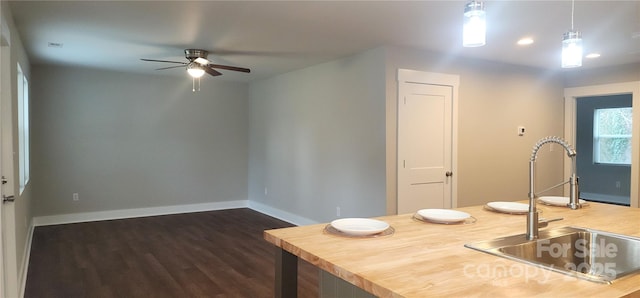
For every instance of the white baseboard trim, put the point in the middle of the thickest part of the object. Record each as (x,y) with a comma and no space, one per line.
(137,212)
(25,261)
(280,214)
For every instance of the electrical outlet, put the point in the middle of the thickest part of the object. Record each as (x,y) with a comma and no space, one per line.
(266,191)
(521,130)
(338,211)
(76,196)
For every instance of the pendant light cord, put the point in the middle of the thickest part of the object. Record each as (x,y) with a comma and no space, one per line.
(573,3)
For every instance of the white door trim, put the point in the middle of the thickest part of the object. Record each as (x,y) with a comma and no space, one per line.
(570,97)
(415,76)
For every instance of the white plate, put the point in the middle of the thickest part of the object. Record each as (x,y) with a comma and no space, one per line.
(509,207)
(359,226)
(443,215)
(557,201)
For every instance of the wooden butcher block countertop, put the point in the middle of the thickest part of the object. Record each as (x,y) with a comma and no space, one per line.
(422,259)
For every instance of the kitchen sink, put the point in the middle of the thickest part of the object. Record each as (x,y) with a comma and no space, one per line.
(583,253)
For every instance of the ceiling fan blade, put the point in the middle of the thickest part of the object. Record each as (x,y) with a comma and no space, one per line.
(169,67)
(211,71)
(227,67)
(165,61)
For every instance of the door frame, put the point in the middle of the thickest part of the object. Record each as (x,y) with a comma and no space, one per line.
(571,95)
(441,79)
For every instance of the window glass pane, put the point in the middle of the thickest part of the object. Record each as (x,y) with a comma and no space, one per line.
(25,124)
(23,129)
(614,151)
(612,136)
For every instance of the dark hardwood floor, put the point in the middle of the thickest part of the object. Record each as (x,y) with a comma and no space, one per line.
(206,254)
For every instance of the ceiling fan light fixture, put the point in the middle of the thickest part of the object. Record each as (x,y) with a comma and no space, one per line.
(475,24)
(201,61)
(198,65)
(195,70)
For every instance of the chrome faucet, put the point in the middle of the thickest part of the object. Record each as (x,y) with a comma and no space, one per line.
(532,215)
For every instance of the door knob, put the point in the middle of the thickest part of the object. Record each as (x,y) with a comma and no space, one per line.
(448,174)
(8,198)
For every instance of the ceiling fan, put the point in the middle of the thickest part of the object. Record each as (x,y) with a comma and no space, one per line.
(198,64)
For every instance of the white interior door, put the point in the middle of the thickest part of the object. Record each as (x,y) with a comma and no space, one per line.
(424,146)
(8,264)
(4,92)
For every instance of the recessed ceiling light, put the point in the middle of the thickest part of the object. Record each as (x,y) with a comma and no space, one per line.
(525,41)
(592,55)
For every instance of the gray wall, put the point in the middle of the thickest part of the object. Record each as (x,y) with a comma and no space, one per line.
(324,136)
(131,141)
(494,99)
(599,76)
(314,139)
(317,139)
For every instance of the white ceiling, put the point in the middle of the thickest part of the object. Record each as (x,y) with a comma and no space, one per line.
(273,37)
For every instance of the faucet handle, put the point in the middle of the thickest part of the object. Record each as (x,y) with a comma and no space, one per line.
(543,222)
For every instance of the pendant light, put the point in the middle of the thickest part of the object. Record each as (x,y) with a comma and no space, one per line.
(572,45)
(475,25)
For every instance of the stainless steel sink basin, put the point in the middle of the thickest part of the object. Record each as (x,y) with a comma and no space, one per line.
(584,253)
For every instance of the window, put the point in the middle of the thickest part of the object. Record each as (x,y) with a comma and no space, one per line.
(23,128)
(612,136)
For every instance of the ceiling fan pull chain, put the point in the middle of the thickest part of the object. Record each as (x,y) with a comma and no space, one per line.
(193,88)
